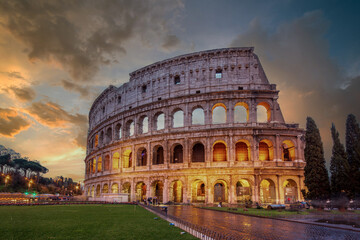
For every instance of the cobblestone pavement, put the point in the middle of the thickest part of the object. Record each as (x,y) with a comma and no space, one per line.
(246,227)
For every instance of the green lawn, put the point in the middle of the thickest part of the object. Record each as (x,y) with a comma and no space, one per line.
(260,212)
(84,222)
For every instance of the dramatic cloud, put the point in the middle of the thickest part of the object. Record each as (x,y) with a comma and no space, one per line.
(13,75)
(171,42)
(53,115)
(84,91)
(11,123)
(24,94)
(83,35)
(296,57)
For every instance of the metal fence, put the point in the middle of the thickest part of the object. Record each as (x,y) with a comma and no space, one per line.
(200,232)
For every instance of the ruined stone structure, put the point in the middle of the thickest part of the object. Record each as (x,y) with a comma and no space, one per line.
(201,127)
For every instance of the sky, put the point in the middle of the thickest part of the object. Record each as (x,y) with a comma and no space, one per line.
(57,56)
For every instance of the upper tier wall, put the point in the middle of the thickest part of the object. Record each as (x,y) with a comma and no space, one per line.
(180,76)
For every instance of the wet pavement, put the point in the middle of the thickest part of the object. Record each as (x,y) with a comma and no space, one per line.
(247,227)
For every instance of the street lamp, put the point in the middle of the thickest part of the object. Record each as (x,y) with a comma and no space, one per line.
(7,178)
(30,182)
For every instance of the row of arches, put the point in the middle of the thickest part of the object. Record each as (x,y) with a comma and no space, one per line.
(219,154)
(218,116)
(219,190)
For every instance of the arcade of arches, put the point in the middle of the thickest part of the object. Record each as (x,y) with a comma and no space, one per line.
(210,189)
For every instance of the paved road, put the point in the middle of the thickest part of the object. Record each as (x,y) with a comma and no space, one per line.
(258,228)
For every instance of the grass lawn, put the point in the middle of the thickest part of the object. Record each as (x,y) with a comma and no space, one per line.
(260,212)
(84,222)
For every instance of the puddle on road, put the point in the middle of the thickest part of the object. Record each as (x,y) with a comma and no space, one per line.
(342,222)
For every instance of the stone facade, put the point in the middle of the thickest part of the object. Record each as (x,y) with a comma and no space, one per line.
(190,129)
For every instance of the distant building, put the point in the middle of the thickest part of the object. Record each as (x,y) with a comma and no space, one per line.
(202,127)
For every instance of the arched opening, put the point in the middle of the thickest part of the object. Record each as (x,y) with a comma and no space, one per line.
(263,112)
(220,191)
(108,135)
(198,117)
(198,153)
(93,165)
(157,190)
(105,188)
(144,126)
(115,188)
(126,188)
(219,113)
(176,192)
(290,191)
(130,128)
(288,150)
(127,159)
(267,192)
(198,191)
(241,113)
(242,151)
(99,165)
(158,155)
(243,191)
(160,121)
(140,191)
(118,131)
(177,156)
(178,119)
(219,152)
(98,191)
(92,193)
(107,163)
(96,140)
(265,150)
(116,161)
(142,157)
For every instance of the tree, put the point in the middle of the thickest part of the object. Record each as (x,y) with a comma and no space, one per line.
(4,160)
(352,144)
(339,166)
(316,175)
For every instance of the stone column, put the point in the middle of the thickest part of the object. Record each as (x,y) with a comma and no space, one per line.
(277,187)
(298,154)
(148,187)
(256,189)
(209,198)
(277,148)
(132,190)
(232,198)
(149,154)
(185,191)
(166,190)
(134,157)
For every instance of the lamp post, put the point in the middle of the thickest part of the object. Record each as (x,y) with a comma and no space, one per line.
(29,185)
(7,178)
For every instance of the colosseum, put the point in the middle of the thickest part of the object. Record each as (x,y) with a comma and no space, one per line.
(203,127)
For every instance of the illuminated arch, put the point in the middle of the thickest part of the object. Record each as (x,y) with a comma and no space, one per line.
(105,188)
(140,191)
(241,112)
(114,188)
(128,158)
(130,128)
(157,189)
(267,192)
(219,152)
(98,190)
(266,150)
(219,113)
(243,191)
(176,191)
(242,150)
(290,191)
(198,191)
(144,124)
(99,164)
(115,161)
(287,150)
(263,112)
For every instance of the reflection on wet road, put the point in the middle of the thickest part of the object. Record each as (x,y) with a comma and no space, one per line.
(258,228)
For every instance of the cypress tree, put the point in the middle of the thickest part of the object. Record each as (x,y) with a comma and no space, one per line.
(316,175)
(339,167)
(352,146)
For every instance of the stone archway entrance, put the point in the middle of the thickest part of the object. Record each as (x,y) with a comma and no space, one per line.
(176,192)
(140,191)
(219,192)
